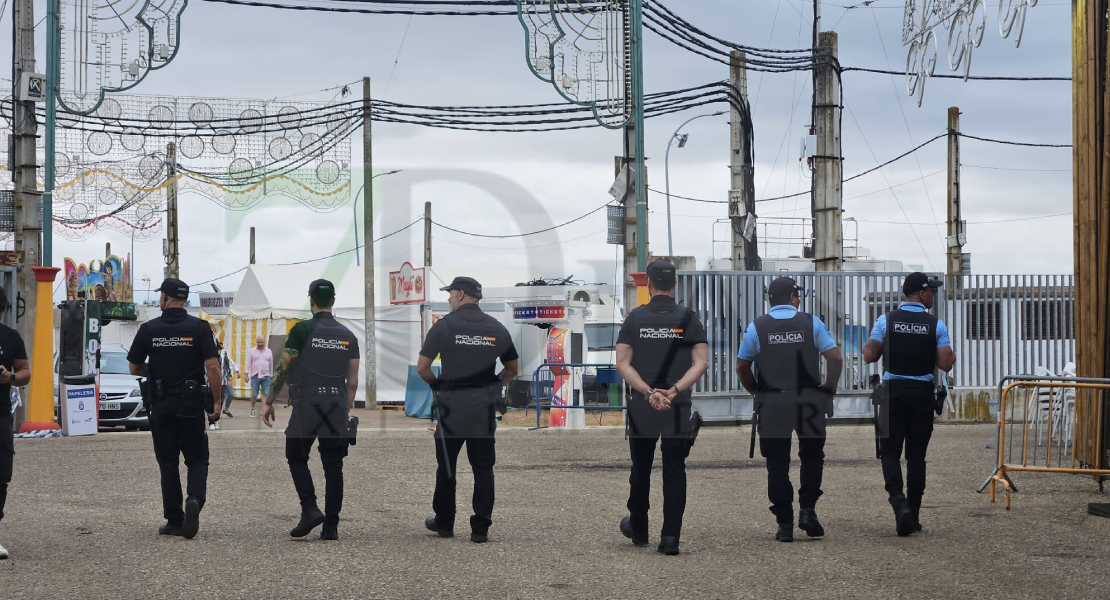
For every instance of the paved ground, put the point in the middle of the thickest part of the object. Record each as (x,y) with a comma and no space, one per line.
(84,511)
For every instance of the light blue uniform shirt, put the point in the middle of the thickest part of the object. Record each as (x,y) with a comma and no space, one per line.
(879,332)
(749,346)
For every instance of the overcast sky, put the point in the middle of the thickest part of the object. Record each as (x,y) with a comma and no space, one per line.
(542,178)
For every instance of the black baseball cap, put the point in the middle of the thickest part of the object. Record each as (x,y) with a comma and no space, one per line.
(321,290)
(915,282)
(466,285)
(174,288)
(662,274)
(784,287)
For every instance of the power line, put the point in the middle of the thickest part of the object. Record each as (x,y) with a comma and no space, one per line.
(1011,143)
(947,76)
(520,235)
(1014,220)
(967,166)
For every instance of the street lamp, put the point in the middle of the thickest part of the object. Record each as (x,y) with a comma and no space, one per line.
(682,139)
(354,212)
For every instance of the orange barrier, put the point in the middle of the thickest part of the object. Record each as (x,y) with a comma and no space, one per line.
(1048,431)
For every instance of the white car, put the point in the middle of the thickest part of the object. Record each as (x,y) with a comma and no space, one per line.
(121,402)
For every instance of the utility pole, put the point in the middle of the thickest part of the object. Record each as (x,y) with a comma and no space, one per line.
(631,217)
(107,249)
(28,222)
(828,229)
(252,246)
(739,167)
(173,267)
(427,234)
(957,229)
(370,350)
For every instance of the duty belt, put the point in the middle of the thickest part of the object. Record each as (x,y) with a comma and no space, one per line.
(323,390)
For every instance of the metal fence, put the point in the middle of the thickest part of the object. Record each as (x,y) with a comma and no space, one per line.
(998,324)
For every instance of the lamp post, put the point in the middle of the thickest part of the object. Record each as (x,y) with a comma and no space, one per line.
(354,210)
(667,170)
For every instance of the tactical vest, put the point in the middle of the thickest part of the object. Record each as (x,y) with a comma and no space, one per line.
(175,351)
(788,359)
(660,355)
(470,349)
(325,357)
(910,344)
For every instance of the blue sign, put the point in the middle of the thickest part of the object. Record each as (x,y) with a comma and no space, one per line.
(524,312)
(81,392)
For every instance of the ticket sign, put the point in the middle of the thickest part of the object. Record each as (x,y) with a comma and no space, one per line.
(524,312)
(551,312)
(541,312)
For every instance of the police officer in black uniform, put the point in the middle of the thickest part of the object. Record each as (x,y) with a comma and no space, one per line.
(469,344)
(320,359)
(181,351)
(662,351)
(14,371)
(786,347)
(912,343)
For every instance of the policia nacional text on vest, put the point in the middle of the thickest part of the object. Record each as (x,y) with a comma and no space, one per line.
(182,353)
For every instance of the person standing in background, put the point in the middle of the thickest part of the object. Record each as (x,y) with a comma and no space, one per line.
(260,366)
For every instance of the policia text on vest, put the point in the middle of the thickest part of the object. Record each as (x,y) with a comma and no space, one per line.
(182,355)
(785,346)
(468,390)
(661,353)
(913,344)
(321,362)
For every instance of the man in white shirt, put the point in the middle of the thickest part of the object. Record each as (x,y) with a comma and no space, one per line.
(260,366)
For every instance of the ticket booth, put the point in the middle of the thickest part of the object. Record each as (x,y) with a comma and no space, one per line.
(561,332)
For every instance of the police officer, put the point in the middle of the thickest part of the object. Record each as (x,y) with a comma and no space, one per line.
(662,351)
(320,360)
(786,346)
(912,344)
(469,343)
(14,371)
(181,351)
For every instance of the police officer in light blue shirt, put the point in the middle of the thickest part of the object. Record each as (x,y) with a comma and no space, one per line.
(786,347)
(913,344)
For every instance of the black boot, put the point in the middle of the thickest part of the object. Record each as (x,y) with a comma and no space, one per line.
(638,538)
(168,529)
(785,532)
(668,545)
(807,522)
(191,525)
(432,525)
(915,509)
(330,531)
(309,521)
(903,519)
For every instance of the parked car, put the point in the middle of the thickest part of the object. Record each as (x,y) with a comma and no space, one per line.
(121,402)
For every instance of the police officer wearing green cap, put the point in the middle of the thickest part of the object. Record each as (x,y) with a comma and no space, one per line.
(662,351)
(469,344)
(181,350)
(786,346)
(321,361)
(912,343)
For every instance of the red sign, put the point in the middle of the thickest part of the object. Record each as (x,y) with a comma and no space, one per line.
(407,285)
(551,312)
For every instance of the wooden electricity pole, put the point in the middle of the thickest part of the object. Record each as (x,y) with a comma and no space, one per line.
(739,167)
(957,233)
(828,228)
(173,267)
(369,351)
(427,234)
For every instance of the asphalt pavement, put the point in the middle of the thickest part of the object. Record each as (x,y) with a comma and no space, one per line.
(83,515)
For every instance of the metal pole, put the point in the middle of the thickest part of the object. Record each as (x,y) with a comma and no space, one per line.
(637,47)
(739,167)
(956,230)
(252,246)
(28,224)
(427,234)
(53,76)
(368,250)
(827,225)
(173,267)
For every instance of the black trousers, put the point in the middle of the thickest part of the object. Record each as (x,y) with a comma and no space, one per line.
(175,435)
(332,452)
(906,421)
(779,419)
(482,455)
(7,458)
(674,450)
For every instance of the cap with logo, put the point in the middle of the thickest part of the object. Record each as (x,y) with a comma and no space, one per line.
(917,281)
(662,273)
(784,287)
(466,285)
(321,288)
(174,288)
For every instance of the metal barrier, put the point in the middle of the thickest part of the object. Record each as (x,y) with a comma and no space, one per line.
(1046,415)
(576,386)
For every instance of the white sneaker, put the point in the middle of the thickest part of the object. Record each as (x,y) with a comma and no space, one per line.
(254,413)
(216,426)
(211,427)
(3,553)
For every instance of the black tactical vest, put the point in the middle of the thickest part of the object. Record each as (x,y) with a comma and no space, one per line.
(471,348)
(661,356)
(788,359)
(326,355)
(175,349)
(910,345)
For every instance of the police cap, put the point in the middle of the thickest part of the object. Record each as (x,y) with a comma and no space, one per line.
(321,289)
(783,288)
(466,285)
(915,282)
(174,288)
(662,274)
